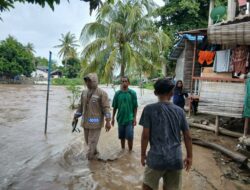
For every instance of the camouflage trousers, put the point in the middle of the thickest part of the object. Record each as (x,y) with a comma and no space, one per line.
(91,137)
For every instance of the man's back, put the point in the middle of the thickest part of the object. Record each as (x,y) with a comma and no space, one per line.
(165,122)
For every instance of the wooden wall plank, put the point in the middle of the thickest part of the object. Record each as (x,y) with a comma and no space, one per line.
(222,98)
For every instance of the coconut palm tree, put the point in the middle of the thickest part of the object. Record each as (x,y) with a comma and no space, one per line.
(123,38)
(67,47)
(30,47)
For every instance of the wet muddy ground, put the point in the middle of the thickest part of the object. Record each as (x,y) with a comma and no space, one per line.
(31,160)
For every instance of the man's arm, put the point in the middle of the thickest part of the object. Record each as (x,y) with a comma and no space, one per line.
(135,114)
(188,145)
(113,117)
(115,106)
(144,144)
(106,110)
(79,110)
(135,105)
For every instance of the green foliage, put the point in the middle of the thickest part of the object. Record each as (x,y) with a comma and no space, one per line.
(67,47)
(148,85)
(15,59)
(75,94)
(41,61)
(66,81)
(125,38)
(181,15)
(73,68)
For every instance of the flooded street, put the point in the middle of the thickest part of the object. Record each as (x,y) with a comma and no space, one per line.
(31,160)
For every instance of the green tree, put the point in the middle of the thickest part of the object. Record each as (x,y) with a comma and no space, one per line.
(42,61)
(15,59)
(125,39)
(73,68)
(67,47)
(182,15)
(31,48)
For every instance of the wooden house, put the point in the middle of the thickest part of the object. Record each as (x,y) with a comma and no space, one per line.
(220,94)
(183,54)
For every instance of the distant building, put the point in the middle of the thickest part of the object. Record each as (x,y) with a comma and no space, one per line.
(40,72)
(56,74)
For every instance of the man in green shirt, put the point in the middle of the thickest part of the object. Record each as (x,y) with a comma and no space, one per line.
(125,101)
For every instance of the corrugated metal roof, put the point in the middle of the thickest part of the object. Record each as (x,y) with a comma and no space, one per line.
(236,34)
(238,19)
(199,31)
(180,45)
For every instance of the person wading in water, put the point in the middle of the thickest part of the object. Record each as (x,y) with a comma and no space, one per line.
(162,124)
(94,107)
(125,101)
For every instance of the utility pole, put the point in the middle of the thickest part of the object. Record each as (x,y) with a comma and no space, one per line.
(47,102)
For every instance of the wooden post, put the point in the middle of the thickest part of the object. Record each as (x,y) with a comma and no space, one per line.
(231,9)
(217,121)
(246,127)
(248,7)
(191,85)
(211,6)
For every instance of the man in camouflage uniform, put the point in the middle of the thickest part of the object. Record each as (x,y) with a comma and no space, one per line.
(94,107)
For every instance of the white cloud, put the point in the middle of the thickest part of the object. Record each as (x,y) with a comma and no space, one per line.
(43,27)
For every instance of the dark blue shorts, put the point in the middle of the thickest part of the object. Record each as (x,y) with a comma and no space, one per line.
(126,131)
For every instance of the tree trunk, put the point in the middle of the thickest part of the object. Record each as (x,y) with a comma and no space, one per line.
(123,63)
(233,155)
(122,70)
(212,128)
(65,65)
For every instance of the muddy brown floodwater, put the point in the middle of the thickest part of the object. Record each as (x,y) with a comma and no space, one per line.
(30,160)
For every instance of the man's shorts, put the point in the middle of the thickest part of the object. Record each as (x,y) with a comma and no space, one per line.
(126,131)
(172,179)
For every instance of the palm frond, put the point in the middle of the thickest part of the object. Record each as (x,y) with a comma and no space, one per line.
(115,32)
(105,11)
(111,62)
(93,30)
(128,54)
(93,47)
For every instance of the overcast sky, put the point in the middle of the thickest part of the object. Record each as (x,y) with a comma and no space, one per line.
(43,27)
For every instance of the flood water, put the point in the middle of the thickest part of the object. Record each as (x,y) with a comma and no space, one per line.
(30,160)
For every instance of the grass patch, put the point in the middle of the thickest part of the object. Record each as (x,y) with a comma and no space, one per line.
(67,81)
(149,86)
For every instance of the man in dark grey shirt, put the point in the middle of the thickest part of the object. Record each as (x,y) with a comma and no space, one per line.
(162,124)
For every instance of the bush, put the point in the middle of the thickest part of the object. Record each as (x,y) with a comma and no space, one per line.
(149,85)
(67,81)
(75,94)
